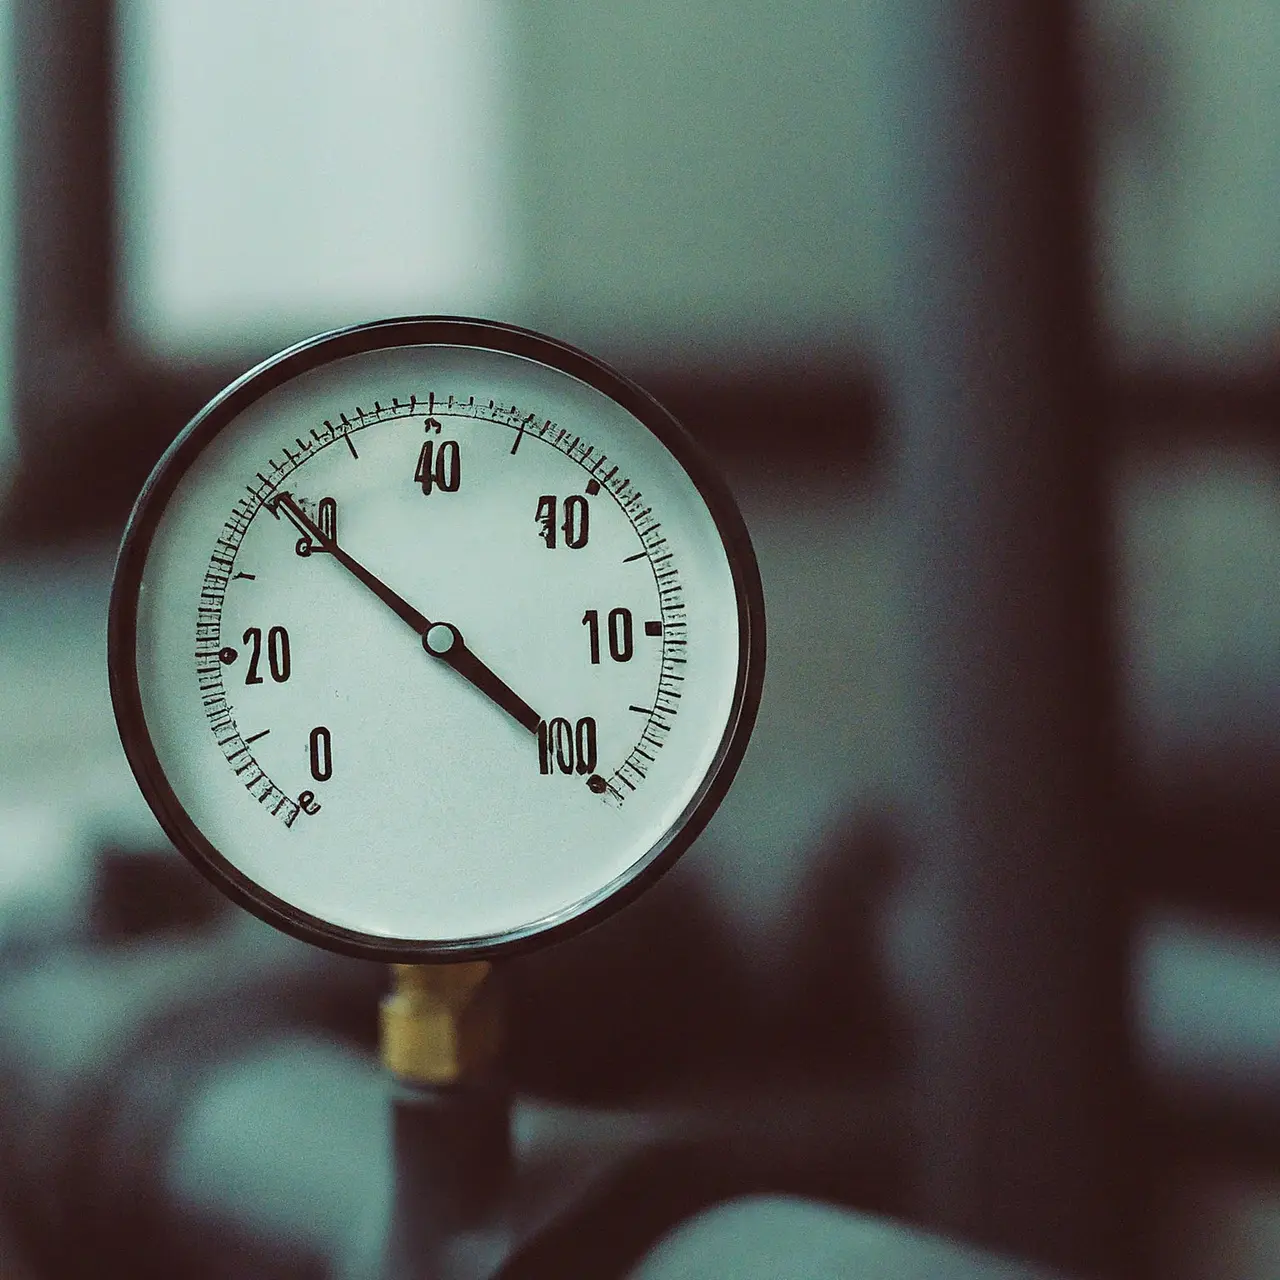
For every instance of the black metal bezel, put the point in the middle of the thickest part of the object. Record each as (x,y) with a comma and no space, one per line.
(409,332)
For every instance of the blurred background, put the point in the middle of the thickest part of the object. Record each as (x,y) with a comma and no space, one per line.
(979,310)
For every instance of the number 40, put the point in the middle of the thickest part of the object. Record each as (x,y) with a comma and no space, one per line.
(575,525)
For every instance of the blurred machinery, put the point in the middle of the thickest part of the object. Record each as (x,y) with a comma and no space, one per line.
(187,1092)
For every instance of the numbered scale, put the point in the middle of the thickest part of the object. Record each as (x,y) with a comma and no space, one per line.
(431,637)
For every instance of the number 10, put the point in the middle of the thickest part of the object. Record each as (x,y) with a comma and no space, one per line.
(621,645)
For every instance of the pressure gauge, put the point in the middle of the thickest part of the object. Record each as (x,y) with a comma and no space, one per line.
(433,637)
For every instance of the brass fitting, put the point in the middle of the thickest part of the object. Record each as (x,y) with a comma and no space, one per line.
(440,1022)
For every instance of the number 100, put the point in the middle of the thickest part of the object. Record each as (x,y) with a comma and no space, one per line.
(567,748)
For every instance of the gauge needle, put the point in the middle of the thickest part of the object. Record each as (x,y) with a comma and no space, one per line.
(440,639)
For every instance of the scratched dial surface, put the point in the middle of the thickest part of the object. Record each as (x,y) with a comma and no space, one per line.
(433,637)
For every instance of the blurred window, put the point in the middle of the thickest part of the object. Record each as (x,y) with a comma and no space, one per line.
(290,166)
(1190,179)
(716,173)
(655,176)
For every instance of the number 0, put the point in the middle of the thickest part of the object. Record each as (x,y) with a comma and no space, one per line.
(621,646)
(278,654)
(585,740)
(321,751)
(577,521)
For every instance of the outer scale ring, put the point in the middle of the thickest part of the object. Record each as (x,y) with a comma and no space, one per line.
(418,332)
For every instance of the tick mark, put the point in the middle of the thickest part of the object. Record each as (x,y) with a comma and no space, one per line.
(639,555)
(519,437)
(252,577)
(350,446)
(593,487)
(256,736)
(644,711)
(653,628)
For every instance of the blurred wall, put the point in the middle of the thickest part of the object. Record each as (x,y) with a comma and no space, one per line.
(707,179)
(8,444)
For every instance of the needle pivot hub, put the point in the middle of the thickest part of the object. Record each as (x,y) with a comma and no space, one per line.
(441,637)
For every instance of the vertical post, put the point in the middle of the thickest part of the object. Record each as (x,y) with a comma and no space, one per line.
(65,140)
(1021,1070)
(71,384)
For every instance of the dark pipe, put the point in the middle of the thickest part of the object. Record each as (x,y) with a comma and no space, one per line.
(1022,1062)
(451,1157)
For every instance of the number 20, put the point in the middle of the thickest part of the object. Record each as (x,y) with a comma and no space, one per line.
(278,659)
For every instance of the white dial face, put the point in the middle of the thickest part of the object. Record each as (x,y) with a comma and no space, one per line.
(434,644)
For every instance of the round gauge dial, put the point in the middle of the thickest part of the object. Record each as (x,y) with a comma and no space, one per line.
(431,637)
